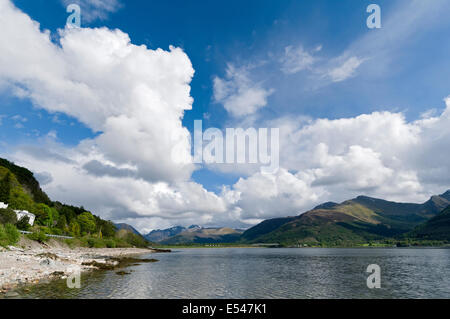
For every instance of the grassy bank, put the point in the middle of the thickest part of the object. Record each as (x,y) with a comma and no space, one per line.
(10,236)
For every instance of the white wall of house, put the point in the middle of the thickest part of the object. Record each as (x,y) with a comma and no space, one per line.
(21,214)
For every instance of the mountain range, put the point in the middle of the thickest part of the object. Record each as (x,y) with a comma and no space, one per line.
(120,226)
(205,236)
(437,228)
(159,235)
(355,221)
(193,234)
(358,220)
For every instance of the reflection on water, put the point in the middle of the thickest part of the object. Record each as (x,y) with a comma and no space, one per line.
(269,273)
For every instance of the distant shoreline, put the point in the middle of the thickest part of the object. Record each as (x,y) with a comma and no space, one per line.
(306,247)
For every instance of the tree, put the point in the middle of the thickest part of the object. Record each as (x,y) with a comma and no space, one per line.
(7,216)
(24,223)
(54,217)
(18,199)
(46,216)
(9,235)
(74,228)
(62,223)
(5,188)
(87,222)
(107,228)
(43,214)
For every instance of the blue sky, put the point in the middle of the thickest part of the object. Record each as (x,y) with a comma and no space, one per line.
(402,68)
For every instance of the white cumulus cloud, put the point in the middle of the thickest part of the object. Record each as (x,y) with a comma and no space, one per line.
(379,154)
(134,100)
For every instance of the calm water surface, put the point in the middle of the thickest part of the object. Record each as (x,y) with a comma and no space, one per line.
(269,273)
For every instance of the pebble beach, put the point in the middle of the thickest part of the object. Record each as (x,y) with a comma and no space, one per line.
(31,262)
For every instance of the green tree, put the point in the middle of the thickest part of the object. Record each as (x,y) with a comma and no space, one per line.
(87,222)
(24,223)
(9,235)
(46,216)
(18,199)
(54,217)
(107,228)
(5,188)
(7,216)
(62,223)
(43,214)
(75,228)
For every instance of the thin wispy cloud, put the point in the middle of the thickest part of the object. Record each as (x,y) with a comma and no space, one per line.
(297,59)
(92,10)
(346,70)
(238,93)
(336,69)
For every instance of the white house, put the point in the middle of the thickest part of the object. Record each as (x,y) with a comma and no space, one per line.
(21,214)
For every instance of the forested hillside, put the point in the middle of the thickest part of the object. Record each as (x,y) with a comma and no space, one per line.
(21,191)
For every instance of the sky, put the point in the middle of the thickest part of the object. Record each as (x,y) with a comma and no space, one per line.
(96,112)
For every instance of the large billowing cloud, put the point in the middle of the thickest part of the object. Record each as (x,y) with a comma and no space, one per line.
(133,98)
(378,154)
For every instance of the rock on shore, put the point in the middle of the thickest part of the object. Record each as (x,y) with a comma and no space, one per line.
(37,262)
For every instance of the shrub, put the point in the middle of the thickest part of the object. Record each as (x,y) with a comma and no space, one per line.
(74,228)
(24,223)
(57,231)
(96,243)
(70,242)
(5,187)
(38,236)
(9,235)
(110,243)
(87,222)
(7,216)
(12,233)
(99,243)
(3,237)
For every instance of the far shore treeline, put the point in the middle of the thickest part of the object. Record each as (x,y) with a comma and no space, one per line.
(21,191)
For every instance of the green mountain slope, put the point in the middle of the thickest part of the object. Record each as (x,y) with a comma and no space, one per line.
(159,235)
(127,227)
(27,181)
(437,228)
(264,228)
(21,191)
(204,236)
(354,221)
(13,193)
